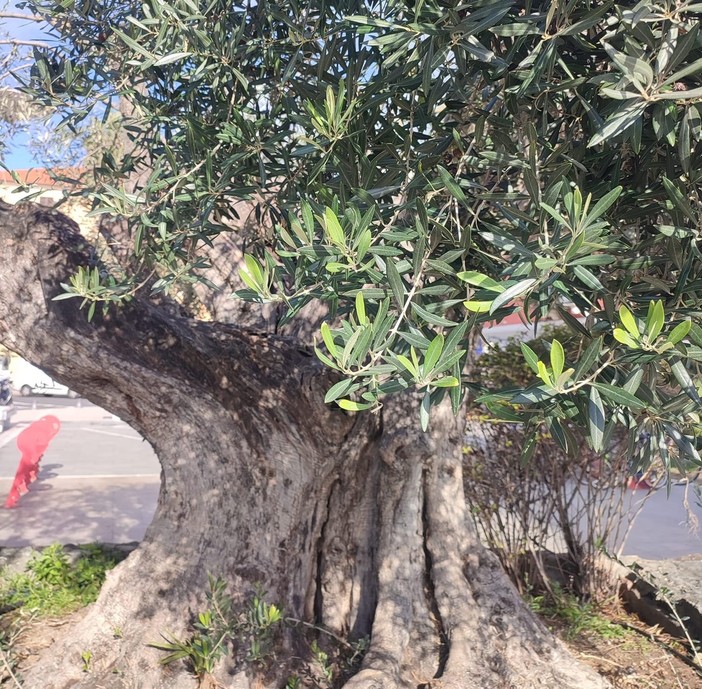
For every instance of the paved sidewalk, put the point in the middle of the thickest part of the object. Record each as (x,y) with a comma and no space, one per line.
(70,510)
(666,594)
(682,576)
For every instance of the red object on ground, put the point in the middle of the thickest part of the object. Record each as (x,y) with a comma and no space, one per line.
(32,443)
(635,484)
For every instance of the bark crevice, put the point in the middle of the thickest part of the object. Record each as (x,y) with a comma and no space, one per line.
(320,548)
(444,640)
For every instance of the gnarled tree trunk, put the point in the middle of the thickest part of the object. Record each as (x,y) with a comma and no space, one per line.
(353,523)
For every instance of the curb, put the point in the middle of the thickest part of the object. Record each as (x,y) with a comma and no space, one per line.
(62,414)
(657,606)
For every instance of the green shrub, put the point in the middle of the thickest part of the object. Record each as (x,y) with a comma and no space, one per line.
(545,512)
(52,584)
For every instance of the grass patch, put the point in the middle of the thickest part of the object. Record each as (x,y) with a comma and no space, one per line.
(54,583)
(577,617)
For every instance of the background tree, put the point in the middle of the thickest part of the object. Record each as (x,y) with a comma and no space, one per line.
(17,110)
(22,119)
(420,169)
(555,519)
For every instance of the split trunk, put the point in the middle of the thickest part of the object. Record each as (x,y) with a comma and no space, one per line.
(354,524)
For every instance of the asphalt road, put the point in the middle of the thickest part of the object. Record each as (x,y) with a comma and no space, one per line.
(48,402)
(666,527)
(87,449)
(99,481)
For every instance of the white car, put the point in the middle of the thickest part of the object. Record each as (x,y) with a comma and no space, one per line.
(30,380)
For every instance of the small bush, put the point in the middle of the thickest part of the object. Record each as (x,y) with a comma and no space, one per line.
(52,584)
(250,631)
(554,513)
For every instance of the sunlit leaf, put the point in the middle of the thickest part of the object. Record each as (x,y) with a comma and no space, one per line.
(433,353)
(619,396)
(604,204)
(596,417)
(478,306)
(628,321)
(679,332)
(589,358)
(636,69)
(655,320)
(361,308)
(543,373)
(446,382)
(424,411)
(333,228)
(588,278)
(512,293)
(626,339)
(168,59)
(481,280)
(409,365)
(617,123)
(685,380)
(350,405)
(530,356)
(329,340)
(557,358)
(341,388)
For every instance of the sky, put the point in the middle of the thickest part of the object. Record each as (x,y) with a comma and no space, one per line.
(19,155)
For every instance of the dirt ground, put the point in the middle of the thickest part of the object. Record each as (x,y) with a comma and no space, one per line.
(638,657)
(629,654)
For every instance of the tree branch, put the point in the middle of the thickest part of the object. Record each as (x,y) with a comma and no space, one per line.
(143,359)
(22,15)
(21,42)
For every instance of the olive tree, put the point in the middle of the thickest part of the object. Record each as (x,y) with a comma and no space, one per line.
(419,169)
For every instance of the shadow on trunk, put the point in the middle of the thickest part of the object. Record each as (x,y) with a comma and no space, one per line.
(355,524)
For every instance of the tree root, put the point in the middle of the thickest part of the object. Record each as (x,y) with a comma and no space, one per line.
(467,628)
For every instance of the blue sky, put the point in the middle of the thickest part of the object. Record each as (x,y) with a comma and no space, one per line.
(19,155)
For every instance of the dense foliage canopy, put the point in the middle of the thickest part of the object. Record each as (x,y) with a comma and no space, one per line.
(424,168)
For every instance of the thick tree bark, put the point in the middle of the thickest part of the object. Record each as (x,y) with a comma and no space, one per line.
(356,524)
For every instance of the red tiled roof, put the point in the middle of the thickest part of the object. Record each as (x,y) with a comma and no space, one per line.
(41,177)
